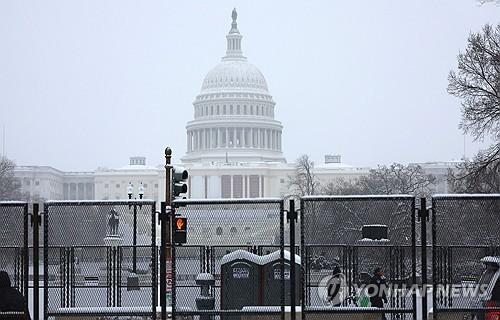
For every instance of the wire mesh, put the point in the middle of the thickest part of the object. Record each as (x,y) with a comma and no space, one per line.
(334,246)
(466,251)
(221,272)
(100,258)
(14,247)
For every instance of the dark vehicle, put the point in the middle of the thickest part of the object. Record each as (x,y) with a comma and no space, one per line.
(491,280)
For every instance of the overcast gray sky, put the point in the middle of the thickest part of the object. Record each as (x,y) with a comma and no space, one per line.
(89,83)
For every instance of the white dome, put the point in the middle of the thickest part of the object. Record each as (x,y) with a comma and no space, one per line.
(234,75)
(234,113)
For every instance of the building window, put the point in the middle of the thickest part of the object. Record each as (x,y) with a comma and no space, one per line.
(282,180)
(145,185)
(37,183)
(156,185)
(117,186)
(27,181)
(238,186)
(219,231)
(106,186)
(226,186)
(254,186)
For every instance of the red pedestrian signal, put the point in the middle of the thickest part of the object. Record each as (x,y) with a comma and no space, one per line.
(180,224)
(180,228)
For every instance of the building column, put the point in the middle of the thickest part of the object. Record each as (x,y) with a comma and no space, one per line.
(247,177)
(261,138)
(272,139)
(209,138)
(190,140)
(193,134)
(202,139)
(259,187)
(234,137)
(275,138)
(213,138)
(243,137)
(219,138)
(251,138)
(279,140)
(231,186)
(227,137)
(265,138)
(198,138)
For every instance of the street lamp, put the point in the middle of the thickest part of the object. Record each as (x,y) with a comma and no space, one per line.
(130,192)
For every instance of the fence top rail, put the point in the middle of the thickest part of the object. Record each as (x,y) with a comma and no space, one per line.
(184,202)
(361,245)
(13,204)
(360,197)
(466,196)
(99,202)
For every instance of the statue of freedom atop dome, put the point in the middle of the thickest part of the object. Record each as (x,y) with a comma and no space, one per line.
(234,15)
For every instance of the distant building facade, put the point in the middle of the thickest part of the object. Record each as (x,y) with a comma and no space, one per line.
(234,147)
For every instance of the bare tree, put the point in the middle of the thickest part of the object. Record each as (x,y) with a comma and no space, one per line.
(10,187)
(480,175)
(342,187)
(477,84)
(393,179)
(303,182)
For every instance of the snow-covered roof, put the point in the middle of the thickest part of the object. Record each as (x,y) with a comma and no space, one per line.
(241,255)
(276,255)
(259,260)
(490,259)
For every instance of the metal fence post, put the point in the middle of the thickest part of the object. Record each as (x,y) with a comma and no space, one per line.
(292,216)
(35,221)
(423,214)
(163,262)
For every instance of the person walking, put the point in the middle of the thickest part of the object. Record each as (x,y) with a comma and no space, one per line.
(377,289)
(335,287)
(11,300)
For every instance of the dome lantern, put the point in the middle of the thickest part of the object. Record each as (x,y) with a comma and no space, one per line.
(234,37)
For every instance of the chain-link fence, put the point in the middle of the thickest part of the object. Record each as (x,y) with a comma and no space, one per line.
(466,255)
(14,251)
(223,271)
(358,257)
(100,258)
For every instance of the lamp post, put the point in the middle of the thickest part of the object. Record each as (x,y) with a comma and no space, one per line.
(130,192)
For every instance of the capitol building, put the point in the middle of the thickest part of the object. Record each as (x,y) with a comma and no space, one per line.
(234,147)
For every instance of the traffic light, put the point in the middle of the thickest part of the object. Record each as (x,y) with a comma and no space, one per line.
(179,182)
(180,230)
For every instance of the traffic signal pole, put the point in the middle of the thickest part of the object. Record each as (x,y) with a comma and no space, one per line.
(166,241)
